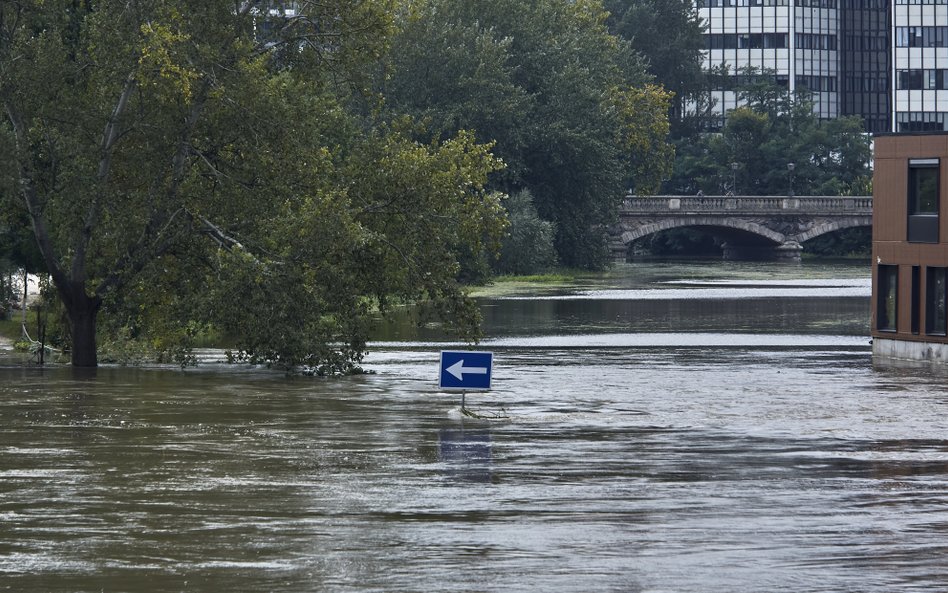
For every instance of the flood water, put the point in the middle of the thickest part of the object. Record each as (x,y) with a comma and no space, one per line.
(700,427)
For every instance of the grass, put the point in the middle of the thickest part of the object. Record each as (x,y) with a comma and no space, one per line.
(10,328)
(551,278)
(510,284)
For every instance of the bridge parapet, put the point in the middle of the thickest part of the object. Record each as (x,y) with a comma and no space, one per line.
(811,205)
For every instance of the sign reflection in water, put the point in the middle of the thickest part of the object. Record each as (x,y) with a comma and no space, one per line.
(466,454)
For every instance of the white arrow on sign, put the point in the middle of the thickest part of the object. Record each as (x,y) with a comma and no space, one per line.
(458,369)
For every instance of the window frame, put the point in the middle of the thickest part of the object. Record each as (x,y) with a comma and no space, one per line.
(887,284)
(923,218)
(933,299)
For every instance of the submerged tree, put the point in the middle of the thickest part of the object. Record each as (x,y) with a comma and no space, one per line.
(193,163)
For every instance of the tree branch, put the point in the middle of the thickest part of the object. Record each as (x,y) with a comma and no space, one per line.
(112,129)
(146,248)
(110,135)
(134,260)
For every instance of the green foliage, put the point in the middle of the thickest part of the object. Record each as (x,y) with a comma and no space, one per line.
(199,167)
(528,247)
(669,35)
(9,288)
(18,250)
(10,328)
(551,278)
(752,153)
(643,129)
(563,100)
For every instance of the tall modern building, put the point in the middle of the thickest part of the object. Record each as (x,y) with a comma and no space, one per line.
(920,65)
(883,60)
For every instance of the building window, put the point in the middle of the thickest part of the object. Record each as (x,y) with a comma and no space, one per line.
(921,36)
(888,289)
(923,200)
(936,298)
(917,80)
(921,121)
(916,302)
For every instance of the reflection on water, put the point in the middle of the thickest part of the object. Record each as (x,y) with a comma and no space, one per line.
(779,460)
(466,453)
(722,289)
(680,298)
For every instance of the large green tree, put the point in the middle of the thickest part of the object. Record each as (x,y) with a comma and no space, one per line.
(669,34)
(568,105)
(186,164)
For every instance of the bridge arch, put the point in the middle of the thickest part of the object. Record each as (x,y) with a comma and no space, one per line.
(832,226)
(753,228)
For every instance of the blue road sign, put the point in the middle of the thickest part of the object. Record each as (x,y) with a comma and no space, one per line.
(466,371)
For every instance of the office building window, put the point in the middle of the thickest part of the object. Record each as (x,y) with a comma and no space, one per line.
(918,80)
(747,40)
(817,83)
(728,3)
(923,200)
(921,36)
(936,298)
(888,289)
(815,41)
(921,121)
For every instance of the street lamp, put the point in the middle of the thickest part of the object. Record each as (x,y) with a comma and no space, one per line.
(734,167)
(790,168)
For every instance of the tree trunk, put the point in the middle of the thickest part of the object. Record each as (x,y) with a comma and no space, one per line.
(82,310)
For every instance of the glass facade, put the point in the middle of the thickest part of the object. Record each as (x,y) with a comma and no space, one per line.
(799,41)
(864,62)
(744,34)
(883,60)
(919,64)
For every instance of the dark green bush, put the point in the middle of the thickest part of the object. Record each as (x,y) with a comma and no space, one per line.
(528,247)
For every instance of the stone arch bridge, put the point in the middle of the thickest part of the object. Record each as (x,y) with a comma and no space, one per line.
(752,227)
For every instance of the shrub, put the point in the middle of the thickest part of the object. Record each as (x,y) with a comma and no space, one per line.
(528,246)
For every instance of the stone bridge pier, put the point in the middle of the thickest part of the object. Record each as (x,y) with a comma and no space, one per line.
(750,227)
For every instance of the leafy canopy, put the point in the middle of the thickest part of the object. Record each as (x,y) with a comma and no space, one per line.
(669,35)
(566,104)
(194,165)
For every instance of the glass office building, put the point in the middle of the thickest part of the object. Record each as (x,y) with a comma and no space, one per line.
(883,60)
(799,44)
(920,65)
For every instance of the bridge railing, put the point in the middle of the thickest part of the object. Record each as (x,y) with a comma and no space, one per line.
(633,204)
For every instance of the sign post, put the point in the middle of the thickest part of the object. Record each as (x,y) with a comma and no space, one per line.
(465,371)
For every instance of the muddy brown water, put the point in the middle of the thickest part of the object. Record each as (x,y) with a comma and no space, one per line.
(666,428)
